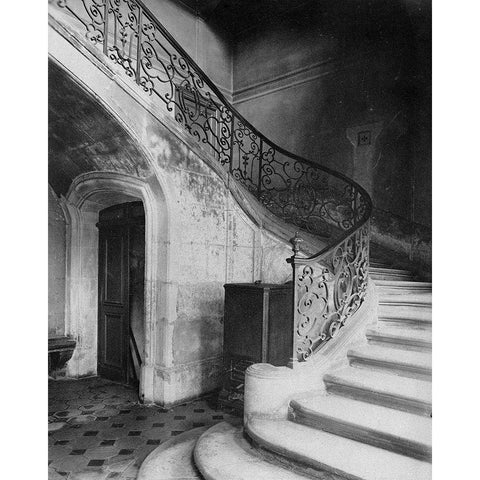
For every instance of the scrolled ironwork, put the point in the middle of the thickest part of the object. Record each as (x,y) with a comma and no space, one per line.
(329,286)
(328,290)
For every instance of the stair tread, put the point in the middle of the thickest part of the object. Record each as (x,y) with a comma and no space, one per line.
(405,311)
(405,299)
(340,455)
(383,383)
(382,273)
(222,453)
(401,333)
(173,459)
(403,284)
(386,421)
(393,356)
(385,269)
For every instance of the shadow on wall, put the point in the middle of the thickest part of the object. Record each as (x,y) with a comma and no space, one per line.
(56,266)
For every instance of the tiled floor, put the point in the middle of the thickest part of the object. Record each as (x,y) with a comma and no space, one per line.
(98,430)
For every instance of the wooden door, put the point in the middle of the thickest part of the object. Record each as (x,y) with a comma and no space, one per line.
(113,321)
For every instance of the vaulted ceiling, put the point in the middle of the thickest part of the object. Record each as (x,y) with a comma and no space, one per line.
(83,136)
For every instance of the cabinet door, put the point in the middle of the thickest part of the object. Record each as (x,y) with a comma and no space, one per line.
(280,326)
(113,303)
(243,322)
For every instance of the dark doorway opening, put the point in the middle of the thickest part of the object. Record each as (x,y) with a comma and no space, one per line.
(121,292)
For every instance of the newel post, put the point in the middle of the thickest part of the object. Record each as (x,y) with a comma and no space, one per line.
(295,241)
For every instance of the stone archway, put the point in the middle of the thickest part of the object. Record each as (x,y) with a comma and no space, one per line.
(88,194)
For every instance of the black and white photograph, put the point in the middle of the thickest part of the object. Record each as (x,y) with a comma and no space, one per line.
(237,269)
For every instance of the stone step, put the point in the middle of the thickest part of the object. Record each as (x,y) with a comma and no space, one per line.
(173,459)
(392,391)
(223,453)
(416,292)
(381,273)
(339,455)
(401,337)
(382,427)
(401,362)
(406,315)
(402,285)
(423,301)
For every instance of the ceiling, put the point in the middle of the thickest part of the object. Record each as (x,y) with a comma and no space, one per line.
(238,16)
(83,136)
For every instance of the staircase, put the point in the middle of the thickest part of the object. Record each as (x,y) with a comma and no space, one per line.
(369,415)
(372,421)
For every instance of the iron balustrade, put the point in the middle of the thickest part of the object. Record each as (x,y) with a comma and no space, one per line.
(327,287)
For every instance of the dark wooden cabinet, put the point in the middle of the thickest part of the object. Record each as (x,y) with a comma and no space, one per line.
(257,329)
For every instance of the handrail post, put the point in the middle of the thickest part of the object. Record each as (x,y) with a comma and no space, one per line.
(295,241)
(232,136)
(105,30)
(260,162)
(139,43)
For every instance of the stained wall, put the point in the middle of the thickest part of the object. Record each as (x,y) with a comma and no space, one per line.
(208,43)
(56,266)
(307,78)
(206,240)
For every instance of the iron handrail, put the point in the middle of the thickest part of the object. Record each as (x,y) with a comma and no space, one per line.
(278,148)
(329,285)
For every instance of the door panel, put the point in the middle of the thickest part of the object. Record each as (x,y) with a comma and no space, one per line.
(121,292)
(114,268)
(113,303)
(113,338)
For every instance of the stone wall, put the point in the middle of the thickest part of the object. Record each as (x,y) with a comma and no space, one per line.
(307,79)
(56,266)
(207,43)
(204,239)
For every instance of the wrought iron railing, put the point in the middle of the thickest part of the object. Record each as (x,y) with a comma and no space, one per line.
(327,287)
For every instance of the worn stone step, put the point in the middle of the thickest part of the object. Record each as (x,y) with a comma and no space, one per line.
(420,291)
(400,337)
(392,391)
(419,316)
(400,432)
(406,299)
(400,362)
(223,453)
(403,285)
(337,454)
(173,459)
(382,273)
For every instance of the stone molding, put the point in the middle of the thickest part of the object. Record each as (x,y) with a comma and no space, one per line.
(294,78)
(82,264)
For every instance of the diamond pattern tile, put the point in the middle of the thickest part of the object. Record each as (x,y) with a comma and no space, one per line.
(106,433)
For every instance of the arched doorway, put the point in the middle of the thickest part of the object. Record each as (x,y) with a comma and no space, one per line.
(121,287)
(90,194)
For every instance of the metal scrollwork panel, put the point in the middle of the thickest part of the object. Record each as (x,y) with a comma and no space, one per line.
(298,191)
(173,78)
(328,293)
(91,14)
(305,195)
(122,34)
(247,149)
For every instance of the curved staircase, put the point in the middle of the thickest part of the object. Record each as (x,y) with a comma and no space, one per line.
(370,417)
(372,421)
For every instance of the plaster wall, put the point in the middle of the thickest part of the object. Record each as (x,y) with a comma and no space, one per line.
(204,240)
(305,80)
(56,266)
(207,43)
